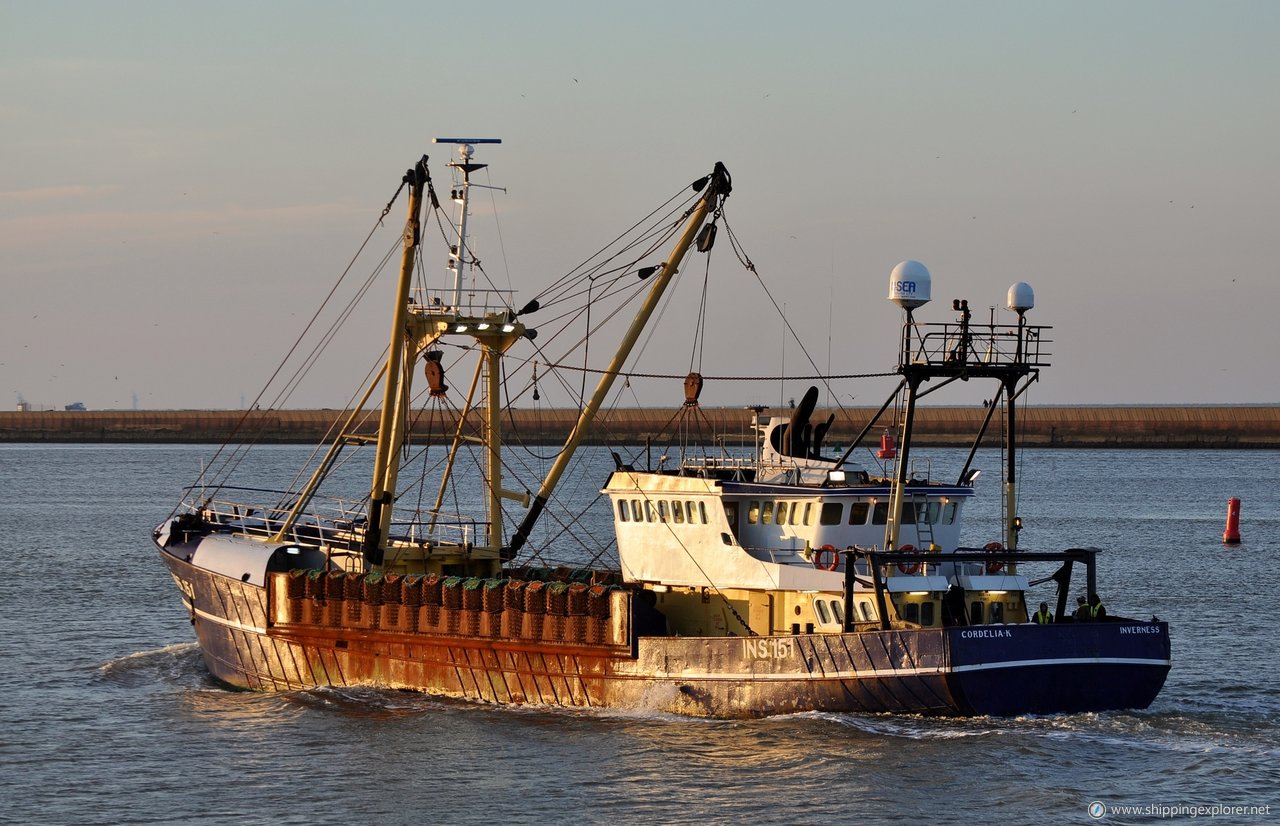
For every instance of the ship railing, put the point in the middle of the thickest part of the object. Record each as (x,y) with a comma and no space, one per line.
(881,560)
(731,462)
(473,303)
(796,556)
(953,343)
(264,511)
(738,469)
(779,556)
(428,528)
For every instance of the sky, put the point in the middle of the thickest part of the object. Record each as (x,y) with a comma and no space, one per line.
(182,182)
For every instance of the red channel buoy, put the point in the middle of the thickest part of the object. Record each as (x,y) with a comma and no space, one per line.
(888,448)
(1231,536)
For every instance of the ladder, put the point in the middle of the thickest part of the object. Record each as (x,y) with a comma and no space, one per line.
(924,525)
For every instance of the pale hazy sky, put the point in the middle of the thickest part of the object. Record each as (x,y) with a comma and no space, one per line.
(182,181)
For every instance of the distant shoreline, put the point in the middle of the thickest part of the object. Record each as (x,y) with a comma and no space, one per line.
(1149,426)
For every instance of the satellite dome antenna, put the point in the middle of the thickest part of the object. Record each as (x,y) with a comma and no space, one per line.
(909,287)
(1021,298)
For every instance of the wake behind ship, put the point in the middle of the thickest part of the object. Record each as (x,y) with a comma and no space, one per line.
(786,578)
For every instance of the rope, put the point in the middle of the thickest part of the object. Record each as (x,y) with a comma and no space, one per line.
(629,375)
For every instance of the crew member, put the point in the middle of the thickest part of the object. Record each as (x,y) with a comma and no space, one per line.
(649,621)
(1044,616)
(1097,612)
(1082,610)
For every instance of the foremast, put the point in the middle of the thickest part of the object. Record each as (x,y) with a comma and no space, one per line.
(386,469)
(715,188)
(415,327)
(495,327)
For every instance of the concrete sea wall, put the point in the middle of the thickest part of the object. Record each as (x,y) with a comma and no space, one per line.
(1243,426)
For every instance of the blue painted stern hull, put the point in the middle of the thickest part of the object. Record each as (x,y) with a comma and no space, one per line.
(1009,670)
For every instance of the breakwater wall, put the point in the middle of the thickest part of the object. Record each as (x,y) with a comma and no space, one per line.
(1242,426)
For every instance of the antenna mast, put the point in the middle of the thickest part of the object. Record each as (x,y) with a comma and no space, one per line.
(461,197)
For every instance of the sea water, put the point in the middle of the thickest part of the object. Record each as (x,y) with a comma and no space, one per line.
(107,714)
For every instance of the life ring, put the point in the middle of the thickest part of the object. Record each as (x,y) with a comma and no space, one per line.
(820,555)
(908,567)
(994,566)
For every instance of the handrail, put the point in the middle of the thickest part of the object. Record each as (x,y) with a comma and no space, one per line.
(328,516)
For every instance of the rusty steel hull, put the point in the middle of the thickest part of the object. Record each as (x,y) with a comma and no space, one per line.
(251,639)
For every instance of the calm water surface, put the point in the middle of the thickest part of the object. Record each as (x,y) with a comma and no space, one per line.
(109,716)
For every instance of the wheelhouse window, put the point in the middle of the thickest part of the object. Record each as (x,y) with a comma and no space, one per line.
(831,513)
(975,613)
(624,512)
(753,512)
(821,608)
(677,512)
(766,513)
(858,513)
(865,608)
(636,514)
(808,514)
(997,612)
(949,513)
(662,510)
(926,613)
(881,514)
(837,611)
(648,511)
(911,612)
(730,514)
(702,513)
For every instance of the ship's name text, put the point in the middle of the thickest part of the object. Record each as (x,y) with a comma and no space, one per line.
(1139,629)
(768,649)
(985,632)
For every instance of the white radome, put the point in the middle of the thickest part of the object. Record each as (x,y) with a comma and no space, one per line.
(1021,297)
(909,285)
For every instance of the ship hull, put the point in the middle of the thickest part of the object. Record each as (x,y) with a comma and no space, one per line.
(253,637)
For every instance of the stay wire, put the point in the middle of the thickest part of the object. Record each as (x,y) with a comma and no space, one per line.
(224,472)
(573,275)
(746,262)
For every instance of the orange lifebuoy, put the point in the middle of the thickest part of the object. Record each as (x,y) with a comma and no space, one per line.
(820,556)
(994,567)
(908,567)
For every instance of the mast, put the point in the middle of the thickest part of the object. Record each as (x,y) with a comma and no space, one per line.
(495,332)
(414,328)
(1012,522)
(947,352)
(386,467)
(717,185)
(1021,299)
(462,198)
(899,487)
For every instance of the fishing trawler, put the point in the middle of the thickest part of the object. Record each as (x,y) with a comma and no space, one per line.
(787,579)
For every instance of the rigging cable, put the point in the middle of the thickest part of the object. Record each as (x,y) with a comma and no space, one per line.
(200,481)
